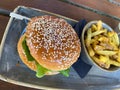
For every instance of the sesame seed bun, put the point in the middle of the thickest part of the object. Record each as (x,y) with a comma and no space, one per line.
(52,42)
(30,64)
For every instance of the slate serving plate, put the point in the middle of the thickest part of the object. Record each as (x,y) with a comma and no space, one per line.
(14,71)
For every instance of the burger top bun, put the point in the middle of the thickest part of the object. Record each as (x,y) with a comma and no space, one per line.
(52,42)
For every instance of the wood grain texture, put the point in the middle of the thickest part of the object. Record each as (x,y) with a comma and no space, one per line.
(102,5)
(64,9)
(9,86)
(3,24)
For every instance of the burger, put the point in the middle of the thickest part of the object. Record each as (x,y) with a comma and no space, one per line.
(49,46)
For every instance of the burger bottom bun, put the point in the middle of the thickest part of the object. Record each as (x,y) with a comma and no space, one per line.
(30,64)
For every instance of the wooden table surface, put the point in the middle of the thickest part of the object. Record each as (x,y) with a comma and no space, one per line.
(110,15)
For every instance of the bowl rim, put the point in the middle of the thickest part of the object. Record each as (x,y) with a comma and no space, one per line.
(84,47)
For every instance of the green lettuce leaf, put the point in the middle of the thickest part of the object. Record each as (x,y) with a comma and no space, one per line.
(40,71)
(65,72)
(26,50)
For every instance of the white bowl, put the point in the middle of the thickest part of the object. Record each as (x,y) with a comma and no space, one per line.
(84,53)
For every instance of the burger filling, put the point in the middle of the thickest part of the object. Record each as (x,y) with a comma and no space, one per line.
(41,71)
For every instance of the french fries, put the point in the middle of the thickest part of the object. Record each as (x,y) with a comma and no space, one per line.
(103,46)
(115,63)
(97,32)
(94,27)
(88,38)
(106,52)
(116,39)
(99,25)
(118,59)
(91,51)
(100,62)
